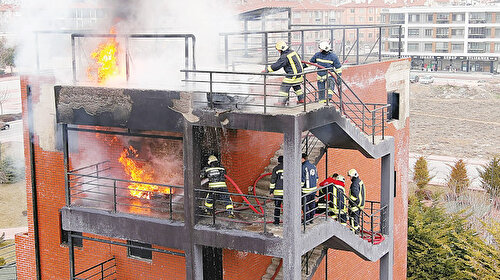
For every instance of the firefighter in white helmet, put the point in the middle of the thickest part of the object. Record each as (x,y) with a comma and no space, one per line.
(327,59)
(215,173)
(356,199)
(291,63)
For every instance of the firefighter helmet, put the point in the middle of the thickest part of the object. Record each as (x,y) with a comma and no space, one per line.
(352,173)
(341,178)
(281,46)
(324,46)
(280,159)
(212,158)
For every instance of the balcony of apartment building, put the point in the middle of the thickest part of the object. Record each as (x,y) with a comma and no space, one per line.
(478,47)
(458,18)
(477,32)
(475,18)
(442,47)
(397,18)
(442,33)
(443,18)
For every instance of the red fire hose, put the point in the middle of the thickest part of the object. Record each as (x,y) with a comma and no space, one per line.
(377,237)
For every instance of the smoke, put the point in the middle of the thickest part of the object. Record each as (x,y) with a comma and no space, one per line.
(152,61)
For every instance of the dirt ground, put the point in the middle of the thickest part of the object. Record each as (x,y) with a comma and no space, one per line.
(12,205)
(456,117)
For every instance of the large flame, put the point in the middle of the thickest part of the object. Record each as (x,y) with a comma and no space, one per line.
(105,64)
(137,173)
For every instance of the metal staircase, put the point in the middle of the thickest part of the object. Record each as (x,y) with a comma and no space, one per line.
(310,263)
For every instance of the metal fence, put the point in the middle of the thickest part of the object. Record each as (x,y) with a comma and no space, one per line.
(8,261)
(92,186)
(100,271)
(258,92)
(354,44)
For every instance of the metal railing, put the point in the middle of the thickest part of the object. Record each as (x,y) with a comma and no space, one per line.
(100,271)
(254,214)
(8,261)
(258,46)
(372,217)
(92,186)
(250,91)
(127,38)
(309,143)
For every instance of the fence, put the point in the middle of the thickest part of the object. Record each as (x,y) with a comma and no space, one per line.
(352,43)
(100,271)
(8,261)
(91,186)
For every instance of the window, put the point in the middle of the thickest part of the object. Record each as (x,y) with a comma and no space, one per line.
(412,32)
(487,32)
(370,19)
(352,19)
(497,47)
(428,33)
(393,112)
(441,32)
(397,18)
(370,10)
(352,11)
(370,35)
(414,18)
(135,252)
(458,17)
(77,242)
(497,32)
(413,47)
(428,47)
(430,17)
(457,33)
(477,32)
(477,47)
(361,35)
(457,47)
(498,17)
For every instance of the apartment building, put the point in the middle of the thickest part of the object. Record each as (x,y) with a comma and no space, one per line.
(448,38)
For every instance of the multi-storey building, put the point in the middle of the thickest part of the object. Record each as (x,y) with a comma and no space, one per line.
(448,38)
(91,217)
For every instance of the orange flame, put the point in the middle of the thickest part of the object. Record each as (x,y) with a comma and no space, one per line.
(105,62)
(137,173)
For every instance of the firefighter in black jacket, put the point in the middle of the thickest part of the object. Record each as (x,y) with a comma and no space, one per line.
(291,63)
(356,199)
(276,189)
(215,173)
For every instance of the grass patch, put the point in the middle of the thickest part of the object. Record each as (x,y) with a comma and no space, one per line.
(12,205)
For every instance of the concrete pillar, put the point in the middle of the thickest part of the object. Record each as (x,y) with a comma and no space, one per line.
(192,155)
(387,198)
(292,167)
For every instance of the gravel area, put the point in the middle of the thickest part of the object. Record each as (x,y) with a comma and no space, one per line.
(458,120)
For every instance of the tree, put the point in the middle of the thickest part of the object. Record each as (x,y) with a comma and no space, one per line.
(421,173)
(490,176)
(458,180)
(7,55)
(444,246)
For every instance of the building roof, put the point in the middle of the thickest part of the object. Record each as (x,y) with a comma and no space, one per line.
(305,5)
(8,7)
(383,3)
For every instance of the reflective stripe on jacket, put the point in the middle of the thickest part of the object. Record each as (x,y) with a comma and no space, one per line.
(276,186)
(291,63)
(327,60)
(357,195)
(309,177)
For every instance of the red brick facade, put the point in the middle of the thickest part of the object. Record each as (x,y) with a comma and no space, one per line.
(245,155)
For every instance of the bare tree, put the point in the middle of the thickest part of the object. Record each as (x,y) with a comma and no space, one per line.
(4,95)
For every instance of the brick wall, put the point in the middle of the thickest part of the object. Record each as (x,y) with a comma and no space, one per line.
(245,155)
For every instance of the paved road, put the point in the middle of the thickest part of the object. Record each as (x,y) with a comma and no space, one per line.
(440,167)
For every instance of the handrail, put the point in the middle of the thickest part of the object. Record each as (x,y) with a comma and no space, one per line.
(99,271)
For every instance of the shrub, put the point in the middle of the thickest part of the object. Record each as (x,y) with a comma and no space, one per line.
(421,173)
(490,176)
(8,172)
(444,246)
(458,180)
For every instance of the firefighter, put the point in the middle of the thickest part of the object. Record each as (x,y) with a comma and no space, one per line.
(276,189)
(308,184)
(291,63)
(356,199)
(215,173)
(327,59)
(339,202)
(324,194)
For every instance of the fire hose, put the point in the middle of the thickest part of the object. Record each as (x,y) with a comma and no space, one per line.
(366,235)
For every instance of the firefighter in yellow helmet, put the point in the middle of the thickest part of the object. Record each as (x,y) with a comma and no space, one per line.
(326,58)
(356,199)
(291,63)
(215,173)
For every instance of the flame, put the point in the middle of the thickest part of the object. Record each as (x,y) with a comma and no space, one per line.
(105,62)
(137,173)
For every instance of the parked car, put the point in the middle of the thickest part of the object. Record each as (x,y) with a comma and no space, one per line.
(4,125)
(426,79)
(413,78)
